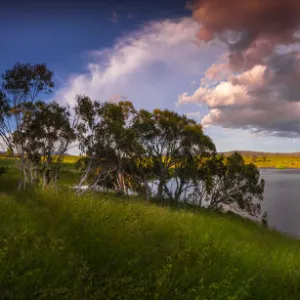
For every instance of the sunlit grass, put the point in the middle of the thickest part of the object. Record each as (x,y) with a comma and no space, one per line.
(68,175)
(274,161)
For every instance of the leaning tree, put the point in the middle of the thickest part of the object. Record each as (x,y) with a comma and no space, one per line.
(21,86)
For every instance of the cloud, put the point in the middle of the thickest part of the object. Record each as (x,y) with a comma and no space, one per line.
(114,17)
(251,29)
(153,65)
(150,66)
(255,84)
(194,114)
(265,98)
(116,98)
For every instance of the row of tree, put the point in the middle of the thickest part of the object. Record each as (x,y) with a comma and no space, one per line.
(158,154)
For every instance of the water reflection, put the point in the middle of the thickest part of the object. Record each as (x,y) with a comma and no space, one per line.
(282,199)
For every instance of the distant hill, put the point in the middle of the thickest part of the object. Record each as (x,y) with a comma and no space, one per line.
(257,153)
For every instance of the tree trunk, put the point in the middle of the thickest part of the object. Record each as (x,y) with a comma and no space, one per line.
(120,181)
(147,190)
(31,174)
(44,180)
(159,194)
(23,175)
(84,177)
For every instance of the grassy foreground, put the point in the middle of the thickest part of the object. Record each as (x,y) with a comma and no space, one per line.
(57,246)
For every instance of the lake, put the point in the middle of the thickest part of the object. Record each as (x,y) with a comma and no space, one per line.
(282,199)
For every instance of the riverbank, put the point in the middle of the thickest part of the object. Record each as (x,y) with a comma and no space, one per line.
(58,246)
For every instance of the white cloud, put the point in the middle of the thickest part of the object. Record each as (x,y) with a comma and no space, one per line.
(194,115)
(149,67)
(264,98)
(153,65)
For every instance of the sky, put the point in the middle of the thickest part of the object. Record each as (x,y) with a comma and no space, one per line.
(239,77)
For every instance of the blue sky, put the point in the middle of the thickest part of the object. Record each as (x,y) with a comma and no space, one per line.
(147,53)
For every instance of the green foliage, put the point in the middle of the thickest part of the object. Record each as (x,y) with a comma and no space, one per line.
(232,183)
(174,145)
(46,135)
(20,88)
(124,149)
(109,142)
(27,80)
(3,170)
(106,247)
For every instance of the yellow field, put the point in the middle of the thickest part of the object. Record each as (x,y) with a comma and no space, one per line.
(70,159)
(274,161)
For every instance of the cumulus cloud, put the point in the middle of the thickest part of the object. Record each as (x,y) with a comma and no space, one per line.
(148,66)
(255,85)
(265,98)
(194,114)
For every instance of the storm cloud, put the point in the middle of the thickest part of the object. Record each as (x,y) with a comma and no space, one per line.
(256,84)
(251,29)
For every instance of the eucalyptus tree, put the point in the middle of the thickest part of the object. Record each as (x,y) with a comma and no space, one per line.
(86,120)
(46,135)
(21,86)
(174,144)
(187,167)
(107,142)
(125,149)
(230,183)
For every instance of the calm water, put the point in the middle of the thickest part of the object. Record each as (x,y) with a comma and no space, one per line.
(282,199)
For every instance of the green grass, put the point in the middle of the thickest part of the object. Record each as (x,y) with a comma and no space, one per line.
(57,246)
(68,175)
(101,246)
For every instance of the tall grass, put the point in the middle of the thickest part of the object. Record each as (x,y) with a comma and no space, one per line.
(100,246)
(57,246)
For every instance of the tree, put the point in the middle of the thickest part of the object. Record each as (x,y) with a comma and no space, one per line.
(107,142)
(20,87)
(174,144)
(85,129)
(230,183)
(46,134)
(123,149)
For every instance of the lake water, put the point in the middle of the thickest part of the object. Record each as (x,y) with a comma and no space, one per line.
(282,199)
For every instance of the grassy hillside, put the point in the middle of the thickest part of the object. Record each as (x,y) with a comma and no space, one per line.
(57,246)
(271,160)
